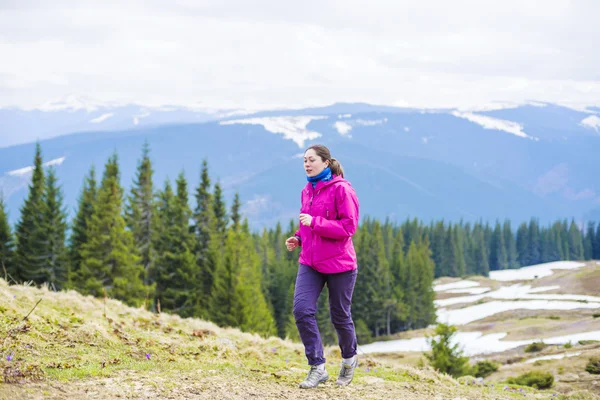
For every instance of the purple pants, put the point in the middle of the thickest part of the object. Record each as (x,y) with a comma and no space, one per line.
(309,284)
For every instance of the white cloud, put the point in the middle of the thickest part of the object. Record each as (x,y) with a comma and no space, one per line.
(593,121)
(101,118)
(494,123)
(292,128)
(421,54)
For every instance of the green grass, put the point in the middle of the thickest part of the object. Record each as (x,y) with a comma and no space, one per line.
(68,339)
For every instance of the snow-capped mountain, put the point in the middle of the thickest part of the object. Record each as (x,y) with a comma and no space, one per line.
(518,162)
(79,114)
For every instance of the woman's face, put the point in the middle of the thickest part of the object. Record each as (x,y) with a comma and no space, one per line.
(313,164)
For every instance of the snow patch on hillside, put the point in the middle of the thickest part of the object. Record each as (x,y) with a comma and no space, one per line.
(101,118)
(28,170)
(593,122)
(495,124)
(292,128)
(533,271)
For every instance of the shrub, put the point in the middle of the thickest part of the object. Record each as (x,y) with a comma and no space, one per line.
(484,368)
(596,315)
(593,367)
(444,356)
(585,342)
(538,380)
(568,345)
(555,317)
(534,347)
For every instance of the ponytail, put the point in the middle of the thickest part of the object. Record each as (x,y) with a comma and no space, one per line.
(336,167)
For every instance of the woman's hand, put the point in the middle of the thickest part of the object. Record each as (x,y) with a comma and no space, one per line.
(305,219)
(292,243)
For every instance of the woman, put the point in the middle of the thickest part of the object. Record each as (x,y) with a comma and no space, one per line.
(328,219)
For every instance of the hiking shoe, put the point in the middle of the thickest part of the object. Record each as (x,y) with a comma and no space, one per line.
(315,376)
(347,372)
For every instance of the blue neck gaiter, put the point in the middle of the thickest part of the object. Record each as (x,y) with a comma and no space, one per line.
(324,176)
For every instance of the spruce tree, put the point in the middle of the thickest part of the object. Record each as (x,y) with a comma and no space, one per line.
(55,251)
(256,314)
(446,356)
(109,261)
(588,244)
(224,302)
(85,208)
(7,245)
(498,259)
(30,234)
(534,242)
(512,257)
(480,254)
(140,212)
(208,244)
(523,248)
(438,235)
(236,211)
(596,245)
(176,267)
(575,242)
(220,210)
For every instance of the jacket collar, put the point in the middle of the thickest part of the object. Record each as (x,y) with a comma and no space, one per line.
(323,184)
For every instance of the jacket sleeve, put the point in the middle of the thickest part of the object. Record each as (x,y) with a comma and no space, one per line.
(346,223)
(297,234)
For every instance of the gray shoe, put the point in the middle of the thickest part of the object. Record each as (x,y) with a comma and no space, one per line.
(315,376)
(347,373)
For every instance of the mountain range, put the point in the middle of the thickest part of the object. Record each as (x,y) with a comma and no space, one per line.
(518,162)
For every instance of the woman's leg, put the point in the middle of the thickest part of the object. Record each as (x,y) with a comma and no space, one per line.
(341,287)
(309,284)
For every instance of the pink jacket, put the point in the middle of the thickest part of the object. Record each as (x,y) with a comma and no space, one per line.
(327,244)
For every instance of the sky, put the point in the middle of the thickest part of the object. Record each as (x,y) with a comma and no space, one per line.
(264,54)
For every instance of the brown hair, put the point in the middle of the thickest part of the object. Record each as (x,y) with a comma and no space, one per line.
(323,152)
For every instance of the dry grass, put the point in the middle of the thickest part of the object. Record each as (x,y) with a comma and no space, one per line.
(78,352)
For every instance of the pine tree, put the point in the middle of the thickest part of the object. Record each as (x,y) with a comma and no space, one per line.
(523,248)
(224,302)
(87,200)
(56,258)
(207,243)
(446,356)
(176,267)
(109,263)
(236,211)
(7,245)
(459,240)
(575,242)
(596,245)
(480,255)
(30,235)
(588,244)
(438,236)
(534,242)
(512,257)
(140,212)
(220,210)
(498,259)
(426,310)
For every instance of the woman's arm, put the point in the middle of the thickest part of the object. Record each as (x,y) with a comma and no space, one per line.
(346,223)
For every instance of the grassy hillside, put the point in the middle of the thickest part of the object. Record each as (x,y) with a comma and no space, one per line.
(72,346)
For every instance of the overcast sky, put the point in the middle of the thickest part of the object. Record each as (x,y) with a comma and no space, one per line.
(278,53)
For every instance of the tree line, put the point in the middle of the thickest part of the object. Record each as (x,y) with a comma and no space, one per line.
(153,247)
